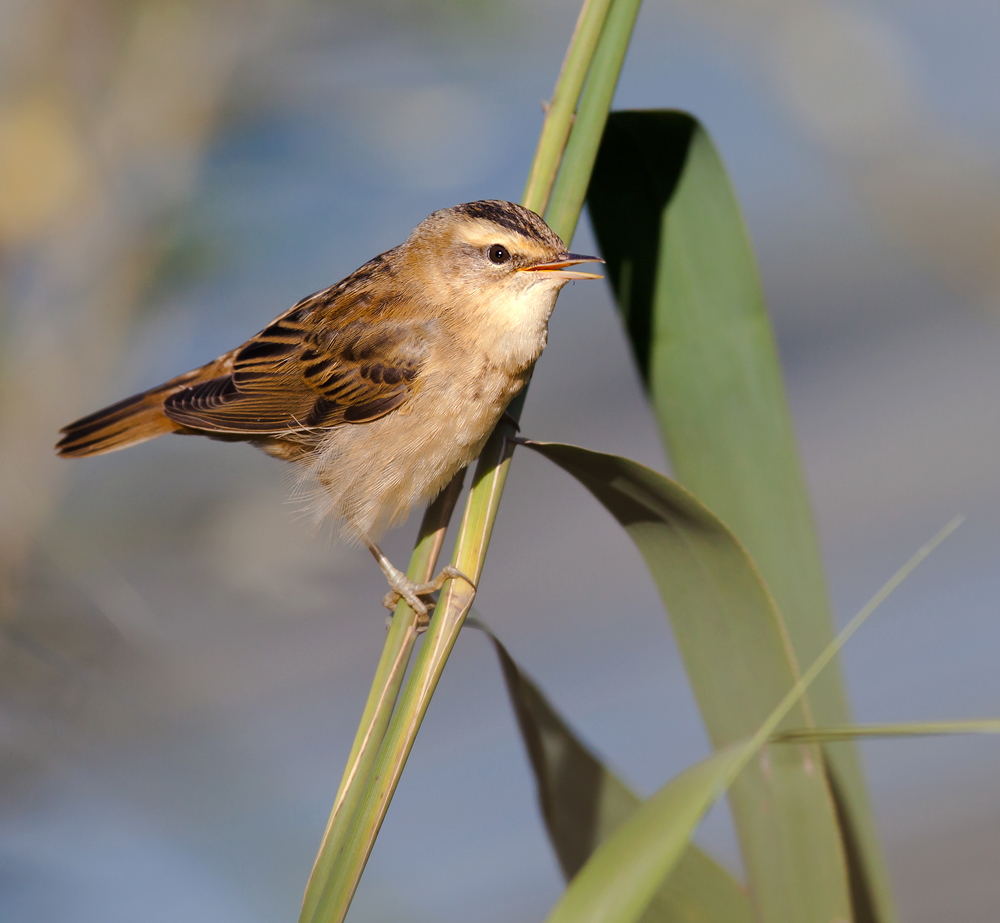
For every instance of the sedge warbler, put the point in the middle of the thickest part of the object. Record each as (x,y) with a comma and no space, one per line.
(383,386)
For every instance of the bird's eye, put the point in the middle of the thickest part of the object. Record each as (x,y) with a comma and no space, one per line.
(498,253)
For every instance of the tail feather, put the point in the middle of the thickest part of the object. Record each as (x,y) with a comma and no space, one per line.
(126,423)
(129,422)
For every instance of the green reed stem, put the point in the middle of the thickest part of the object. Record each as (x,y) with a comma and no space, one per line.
(370,780)
(563,210)
(561,108)
(402,633)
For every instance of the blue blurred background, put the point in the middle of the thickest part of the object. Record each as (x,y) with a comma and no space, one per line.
(183,659)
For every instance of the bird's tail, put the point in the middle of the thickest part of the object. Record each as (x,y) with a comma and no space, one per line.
(129,422)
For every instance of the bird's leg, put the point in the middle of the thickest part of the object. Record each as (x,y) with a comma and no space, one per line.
(402,587)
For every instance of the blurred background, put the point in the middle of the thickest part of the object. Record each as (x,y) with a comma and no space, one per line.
(183,658)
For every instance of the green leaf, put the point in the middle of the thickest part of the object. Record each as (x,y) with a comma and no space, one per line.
(583,803)
(740,665)
(686,284)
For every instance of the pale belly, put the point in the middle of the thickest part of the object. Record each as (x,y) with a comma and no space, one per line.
(370,475)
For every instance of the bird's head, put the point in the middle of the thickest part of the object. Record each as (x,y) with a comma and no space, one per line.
(496,251)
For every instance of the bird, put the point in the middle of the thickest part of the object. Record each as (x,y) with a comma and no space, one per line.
(383,386)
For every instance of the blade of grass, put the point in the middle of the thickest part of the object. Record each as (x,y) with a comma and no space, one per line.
(350,850)
(620,878)
(686,283)
(583,802)
(901,729)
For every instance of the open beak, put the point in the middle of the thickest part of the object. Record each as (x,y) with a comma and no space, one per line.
(564,260)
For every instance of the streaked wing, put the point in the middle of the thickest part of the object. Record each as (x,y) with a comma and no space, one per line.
(318,365)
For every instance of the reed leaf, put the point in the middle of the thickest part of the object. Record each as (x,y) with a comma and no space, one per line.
(686,284)
(740,664)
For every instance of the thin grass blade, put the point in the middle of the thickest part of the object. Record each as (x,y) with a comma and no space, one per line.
(888,731)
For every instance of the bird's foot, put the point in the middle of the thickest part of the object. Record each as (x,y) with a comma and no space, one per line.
(404,588)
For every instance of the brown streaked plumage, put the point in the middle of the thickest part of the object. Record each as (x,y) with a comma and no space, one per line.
(382,386)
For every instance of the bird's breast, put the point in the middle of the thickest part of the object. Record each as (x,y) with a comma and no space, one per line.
(466,397)
(509,332)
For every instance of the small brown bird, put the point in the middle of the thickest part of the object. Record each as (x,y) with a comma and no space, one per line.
(382,386)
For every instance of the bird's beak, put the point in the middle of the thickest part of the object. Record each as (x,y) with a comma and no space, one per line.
(563,260)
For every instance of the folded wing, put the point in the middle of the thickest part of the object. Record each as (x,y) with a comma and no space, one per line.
(292,377)
(305,371)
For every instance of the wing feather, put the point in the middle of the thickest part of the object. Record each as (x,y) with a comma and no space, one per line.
(310,370)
